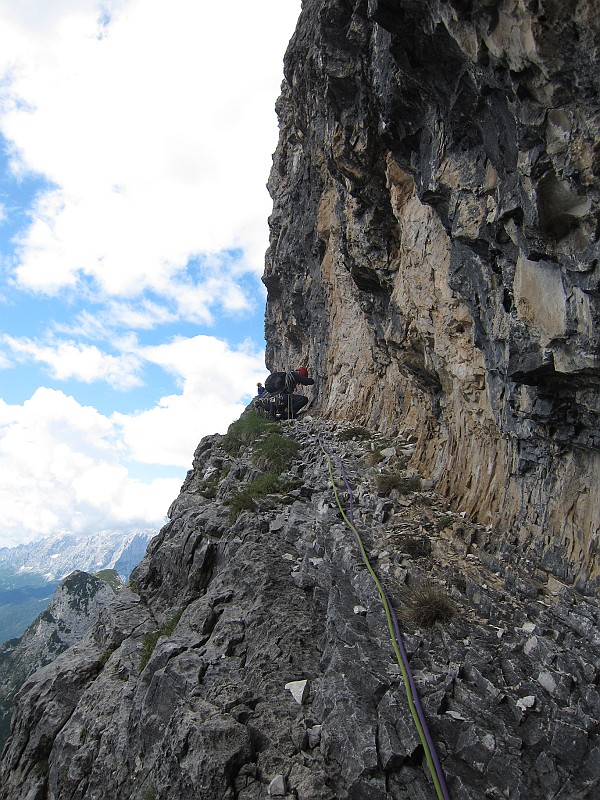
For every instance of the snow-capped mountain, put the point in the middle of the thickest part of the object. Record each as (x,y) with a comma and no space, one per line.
(59,554)
(29,573)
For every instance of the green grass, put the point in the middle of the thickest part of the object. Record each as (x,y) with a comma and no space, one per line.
(245,430)
(388,481)
(150,641)
(444,522)
(105,655)
(275,453)
(416,547)
(269,483)
(111,577)
(356,432)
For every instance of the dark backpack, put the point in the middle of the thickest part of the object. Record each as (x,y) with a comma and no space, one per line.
(280,382)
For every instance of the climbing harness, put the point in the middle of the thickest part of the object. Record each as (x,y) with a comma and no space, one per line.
(412,696)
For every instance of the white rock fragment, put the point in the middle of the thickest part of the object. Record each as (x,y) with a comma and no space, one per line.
(547,681)
(455,715)
(314,736)
(277,787)
(523,703)
(530,645)
(528,627)
(299,690)
(361,610)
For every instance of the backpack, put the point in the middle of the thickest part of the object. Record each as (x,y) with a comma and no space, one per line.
(278,382)
(271,405)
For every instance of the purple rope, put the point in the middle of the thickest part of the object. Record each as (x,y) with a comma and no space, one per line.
(400,643)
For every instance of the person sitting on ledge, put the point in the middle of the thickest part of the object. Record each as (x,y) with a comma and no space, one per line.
(280,400)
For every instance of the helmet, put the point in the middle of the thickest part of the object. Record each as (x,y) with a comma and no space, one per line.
(302,371)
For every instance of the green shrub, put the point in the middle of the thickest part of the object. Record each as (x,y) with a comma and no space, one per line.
(357,432)
(246,430)
(426,604)
(269,483)
(150,794)
(416,547)
(275,453)
(150,641)
(388,481)
(443,522)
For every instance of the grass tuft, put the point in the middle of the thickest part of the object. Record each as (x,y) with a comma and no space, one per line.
(444,522)
(356,432)
(150,641)
(416,547)
(269,483)
(105,655)
(275,453)
(245,430)
(388,481)
(426,604)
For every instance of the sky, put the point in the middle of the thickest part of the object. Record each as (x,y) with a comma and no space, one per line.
(136,139)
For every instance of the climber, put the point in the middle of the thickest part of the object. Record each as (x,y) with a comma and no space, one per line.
(280,400)
(260,390)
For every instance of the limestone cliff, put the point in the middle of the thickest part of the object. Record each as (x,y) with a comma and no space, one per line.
(433,260)
(434,249)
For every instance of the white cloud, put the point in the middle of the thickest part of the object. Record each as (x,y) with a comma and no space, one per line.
(153,127)
(217,383)
(69,360)
(157,136)
(60,469)
(64,466)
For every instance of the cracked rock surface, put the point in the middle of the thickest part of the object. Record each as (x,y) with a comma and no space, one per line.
(434,248)
(179,691)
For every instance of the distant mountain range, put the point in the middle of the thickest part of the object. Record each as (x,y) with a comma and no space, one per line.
(29,573)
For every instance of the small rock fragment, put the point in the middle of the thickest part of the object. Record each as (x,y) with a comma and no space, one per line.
(314,736)
(299,690)
(277,787)
(523,703)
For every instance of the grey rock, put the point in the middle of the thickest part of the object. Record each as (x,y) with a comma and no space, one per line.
(277,786)
(180,690)
(433,257)
(75,606)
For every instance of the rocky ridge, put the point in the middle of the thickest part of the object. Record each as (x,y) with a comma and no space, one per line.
(434,251)
(74,608)
(187,686)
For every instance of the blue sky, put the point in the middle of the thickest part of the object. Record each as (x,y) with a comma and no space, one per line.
(135,144)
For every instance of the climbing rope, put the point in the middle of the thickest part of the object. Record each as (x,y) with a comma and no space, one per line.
(412,696)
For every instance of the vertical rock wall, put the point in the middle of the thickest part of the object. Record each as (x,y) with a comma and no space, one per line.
(434,249)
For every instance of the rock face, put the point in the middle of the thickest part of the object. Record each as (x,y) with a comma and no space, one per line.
(74,608)
(253,658)
(433,259)
(434,249)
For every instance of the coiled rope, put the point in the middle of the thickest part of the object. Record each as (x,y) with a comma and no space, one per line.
(412,696)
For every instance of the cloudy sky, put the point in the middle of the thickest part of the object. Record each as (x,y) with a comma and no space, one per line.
(135,144)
